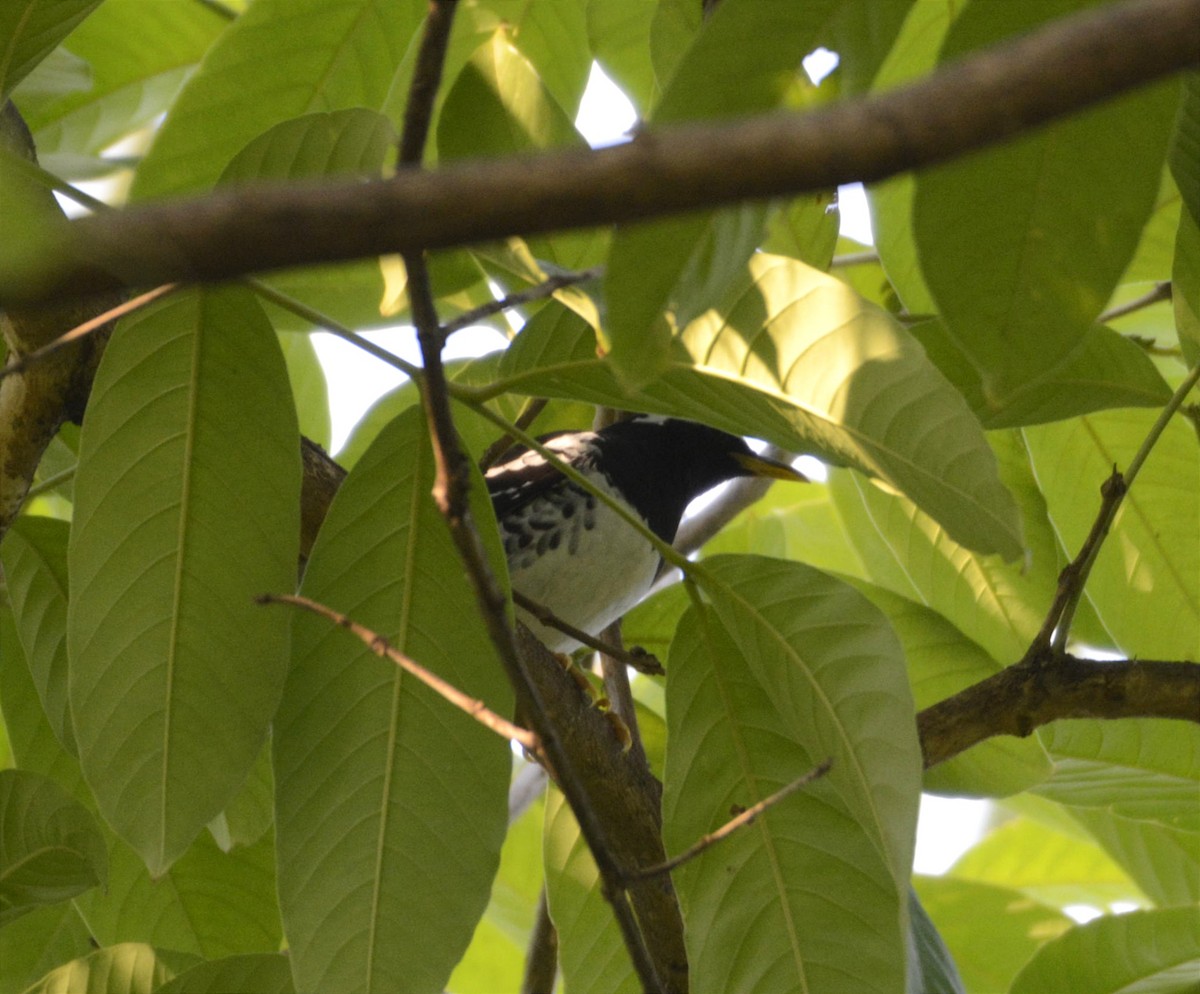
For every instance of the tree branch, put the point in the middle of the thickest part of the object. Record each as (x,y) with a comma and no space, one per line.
(1041,689)
(991,95)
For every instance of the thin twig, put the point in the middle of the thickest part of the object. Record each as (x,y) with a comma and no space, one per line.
(1161,291)
(854,259)
(1075,576)
(642,661)
(731,826)
(90,326)
(450,494)
(382,647)
(546,288)
(51,482)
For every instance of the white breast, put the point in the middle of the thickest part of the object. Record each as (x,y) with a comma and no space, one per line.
(593,568)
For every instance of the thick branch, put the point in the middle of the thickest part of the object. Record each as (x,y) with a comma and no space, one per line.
(989,96)
(1037,691)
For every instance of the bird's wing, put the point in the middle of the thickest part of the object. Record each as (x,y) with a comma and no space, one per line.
(523,478)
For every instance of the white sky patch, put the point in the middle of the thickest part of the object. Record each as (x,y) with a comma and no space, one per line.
(606,116)
(946,828)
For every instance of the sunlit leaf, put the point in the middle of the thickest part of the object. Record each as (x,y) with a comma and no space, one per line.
(37,942)
(1142,952)
(129,968)
(988,958)
(1052,867)
(1145,584)
(1165,862)
(794,357)
(1138,768)
(862,34)
(1185,281)
(186,507)
(592,957)
(383,881)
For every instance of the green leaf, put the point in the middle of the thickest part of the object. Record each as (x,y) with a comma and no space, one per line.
(591,955)
(30,30)
(137,63)
(554,38)
(796,358)
(35,565)
(1145,584)
(251,812)
(37,942)
(1185,150)
(1142,952)
(1055,217)
(746,58)
(383,881)
(1138,768)
(998,605)
(262,973)
(913,55)
(1185,283)
(619,37)
(50,845)
(931,968)
(130,968)
(34,744)
(787,668)
(495,960)
(277,61)
(863,33)
(988,958)
(309,387)
(1052,867)
(1102,370)
(209,903)
(186,508)
(1165,862)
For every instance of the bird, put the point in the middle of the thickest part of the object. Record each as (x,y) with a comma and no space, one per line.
(572,553)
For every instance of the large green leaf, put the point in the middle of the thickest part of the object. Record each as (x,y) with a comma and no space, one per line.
(1142,952)
(592,957)
(186,507)
(1054,218)
(37,942)
(30,30)
(1185,153)
(988,957)
(1145,584)
(795,357)
(931,968)
(1139,768)
(390,803)
(35,565)
(1052,867)
(619,36)
(863,33)
(130,968)
(787,668)
(137,63)
(51,848)
(278,60)
(746,58)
